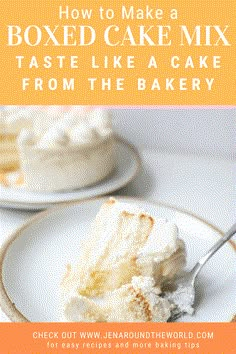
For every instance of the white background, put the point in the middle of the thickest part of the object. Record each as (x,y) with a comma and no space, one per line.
(189,158)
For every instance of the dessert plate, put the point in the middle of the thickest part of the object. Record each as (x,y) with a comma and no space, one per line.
(127,165)
(33,261)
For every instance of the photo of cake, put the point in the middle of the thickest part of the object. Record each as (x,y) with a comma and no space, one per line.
(123,264)
(57,150)
(133,200)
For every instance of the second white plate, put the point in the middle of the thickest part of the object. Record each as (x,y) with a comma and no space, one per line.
(127,165)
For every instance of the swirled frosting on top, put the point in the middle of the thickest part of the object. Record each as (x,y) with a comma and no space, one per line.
(74,128)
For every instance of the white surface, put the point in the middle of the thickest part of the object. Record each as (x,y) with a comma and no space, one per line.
(210,132)
(200,184)
(36,261)
(126,166)
(188,160)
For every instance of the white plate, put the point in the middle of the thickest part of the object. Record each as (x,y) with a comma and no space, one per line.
(33,261)
(127,164)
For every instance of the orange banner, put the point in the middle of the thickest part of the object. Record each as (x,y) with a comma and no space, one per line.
(118,53)
(45,338)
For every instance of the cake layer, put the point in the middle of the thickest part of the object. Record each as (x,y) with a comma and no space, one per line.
(9,161)
(9,157)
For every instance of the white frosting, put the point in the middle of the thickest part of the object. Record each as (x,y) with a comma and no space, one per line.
(163,255)
(83,133)
(77,111)
(104,132)
(53,138)
(162,242)
(99,119)
(71,129)
(13,119)
(19,115)
(26,137)
(53,110)
(44,120)
(68,122)
(7,110)
(82,124)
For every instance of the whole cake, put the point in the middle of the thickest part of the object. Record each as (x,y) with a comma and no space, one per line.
(57,148)
(126,259)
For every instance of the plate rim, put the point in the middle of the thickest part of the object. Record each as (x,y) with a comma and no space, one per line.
(9,308)
(43,205)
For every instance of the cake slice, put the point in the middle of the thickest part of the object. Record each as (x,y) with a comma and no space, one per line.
(109,254)
(125,242)
(122,266)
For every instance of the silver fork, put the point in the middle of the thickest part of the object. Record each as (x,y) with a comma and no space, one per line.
(184,295)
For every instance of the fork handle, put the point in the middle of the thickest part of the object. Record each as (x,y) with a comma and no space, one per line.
(196,269)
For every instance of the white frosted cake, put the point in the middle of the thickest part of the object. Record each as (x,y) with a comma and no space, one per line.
(56,148)
(72,153)
(124,262)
